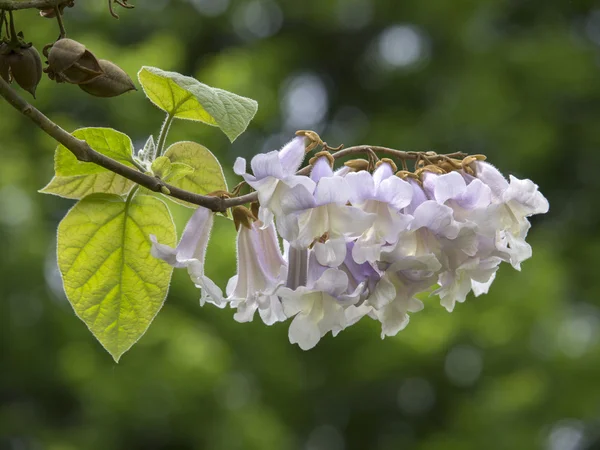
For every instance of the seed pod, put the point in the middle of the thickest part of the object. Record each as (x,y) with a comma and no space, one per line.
(112,83)
(85,70)
(26,68)
(4,66)
(63,54)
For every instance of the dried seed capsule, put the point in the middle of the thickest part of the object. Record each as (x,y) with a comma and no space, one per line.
(26,68)
(63,54)
(112,83)
(86,69)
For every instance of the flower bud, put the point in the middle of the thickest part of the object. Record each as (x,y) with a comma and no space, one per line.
(25,66)
(113,82)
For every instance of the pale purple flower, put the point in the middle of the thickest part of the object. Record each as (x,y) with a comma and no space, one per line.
(512,202)
(308,215)
(190,254)
(273,174)
(261,271)
(384,195)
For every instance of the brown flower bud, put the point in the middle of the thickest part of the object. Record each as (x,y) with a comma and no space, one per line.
(112,83)
(26,68)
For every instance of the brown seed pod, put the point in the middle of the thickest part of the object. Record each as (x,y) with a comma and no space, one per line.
(112,83)
(63,54)
(86,69)
(26,68)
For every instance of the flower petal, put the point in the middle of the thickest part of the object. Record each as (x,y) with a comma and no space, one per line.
(331,190)
(396,192)
(292,155)
(320,169)
(239,167)
(332,252)
(304,332)
(267,165)
(362,186)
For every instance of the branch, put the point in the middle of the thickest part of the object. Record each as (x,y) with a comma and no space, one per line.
(13,5)
(83,152)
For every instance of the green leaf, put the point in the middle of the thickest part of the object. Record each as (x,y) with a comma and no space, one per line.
(207,175)
(186,98)
(115,286)
(178,171)
(161,167)
(76,179)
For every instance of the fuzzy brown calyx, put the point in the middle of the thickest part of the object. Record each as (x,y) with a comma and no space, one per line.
(388,161)
(357,164)
(242,216)
(327,155)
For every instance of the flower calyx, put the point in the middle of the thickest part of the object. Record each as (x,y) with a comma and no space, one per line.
(242,216)
(325,154)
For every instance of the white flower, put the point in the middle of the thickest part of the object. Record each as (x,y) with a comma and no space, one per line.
(514,202)
(190,254)
(468,260)
(384,195)
(308,215)
(273,175)
(261,271)
(317,308)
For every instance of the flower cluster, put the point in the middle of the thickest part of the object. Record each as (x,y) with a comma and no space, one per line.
(362,242)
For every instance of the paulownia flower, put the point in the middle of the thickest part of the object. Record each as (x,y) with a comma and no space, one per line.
(261,271)
(318,307)
(513,203)
(308,215)
(383,195)
(190,254)
(273,174)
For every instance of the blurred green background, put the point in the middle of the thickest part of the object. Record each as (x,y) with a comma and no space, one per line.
(517,369)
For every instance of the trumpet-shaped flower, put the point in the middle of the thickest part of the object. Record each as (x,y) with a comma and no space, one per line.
(261,271)
(513,202)
(383,195)
(308,215)
(318,308)
(190,254)
(273,174)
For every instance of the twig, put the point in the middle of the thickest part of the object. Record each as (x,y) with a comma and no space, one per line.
(13,5)
(83,152)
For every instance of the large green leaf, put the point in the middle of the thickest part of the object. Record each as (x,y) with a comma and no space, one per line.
(207,175)
(76,179)
(186,98)
(115,286)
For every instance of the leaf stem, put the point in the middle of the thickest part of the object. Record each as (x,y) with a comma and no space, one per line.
(162,137)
